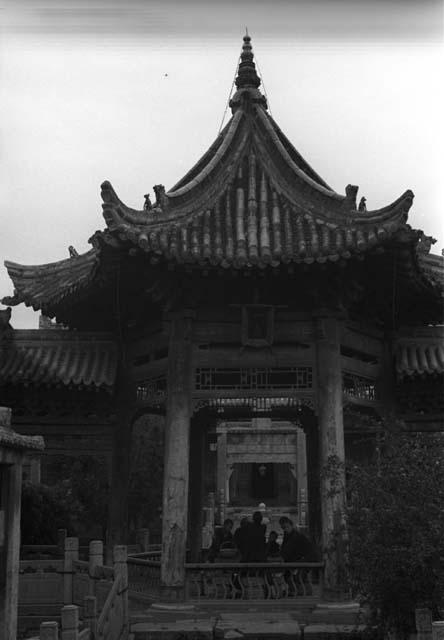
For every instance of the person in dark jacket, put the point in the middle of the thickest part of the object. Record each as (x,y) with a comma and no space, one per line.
(241,538)
(296,548)
(222,536)
(256,545)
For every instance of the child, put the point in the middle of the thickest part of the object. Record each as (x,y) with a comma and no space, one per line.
(273,548)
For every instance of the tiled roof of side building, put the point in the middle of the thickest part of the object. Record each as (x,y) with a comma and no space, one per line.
(420,351)
(42,358)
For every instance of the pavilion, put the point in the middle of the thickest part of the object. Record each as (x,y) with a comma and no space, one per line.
(264,314)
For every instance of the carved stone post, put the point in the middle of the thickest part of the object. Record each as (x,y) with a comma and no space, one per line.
(90,615)
(120,556)
(49,631)
(71,554)
(177,451)
(438,630)
(423,623)
(95,560)
(331,446)
(70,622)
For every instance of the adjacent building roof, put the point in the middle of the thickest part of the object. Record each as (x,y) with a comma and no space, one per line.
(48,358)
(420,351)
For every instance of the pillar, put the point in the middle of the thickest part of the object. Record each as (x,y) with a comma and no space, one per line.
(331,446)
(14,485)
(221,476)
(177,453)
(301,473)
(314,497)
(196,489)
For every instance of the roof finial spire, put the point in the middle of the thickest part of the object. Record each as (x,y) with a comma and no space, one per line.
(247,76)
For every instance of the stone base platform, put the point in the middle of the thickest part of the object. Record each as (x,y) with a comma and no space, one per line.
(328,622)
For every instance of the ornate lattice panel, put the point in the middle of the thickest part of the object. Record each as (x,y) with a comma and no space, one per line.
(358,387)
(291,378)
(152,392)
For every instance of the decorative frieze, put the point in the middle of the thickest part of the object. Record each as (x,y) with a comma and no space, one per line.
(258,405)
(255,378)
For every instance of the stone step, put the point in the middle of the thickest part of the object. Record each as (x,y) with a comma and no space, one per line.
(249,625)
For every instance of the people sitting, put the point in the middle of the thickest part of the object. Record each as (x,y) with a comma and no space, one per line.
(273,548)
(223,537)
(296,548)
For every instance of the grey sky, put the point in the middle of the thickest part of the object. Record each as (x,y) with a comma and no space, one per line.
(134,93)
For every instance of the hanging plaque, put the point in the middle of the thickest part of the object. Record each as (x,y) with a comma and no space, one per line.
(257,325)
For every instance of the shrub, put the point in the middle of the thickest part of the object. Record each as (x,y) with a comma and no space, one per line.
(396,529)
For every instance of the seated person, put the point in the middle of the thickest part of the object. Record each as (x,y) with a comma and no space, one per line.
(273,548)
(222,536)
(296,548)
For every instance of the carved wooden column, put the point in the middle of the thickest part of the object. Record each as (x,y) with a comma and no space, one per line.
(221,476)
(331,444)
(196,488)
(313,461)
(177,455)
(301,474)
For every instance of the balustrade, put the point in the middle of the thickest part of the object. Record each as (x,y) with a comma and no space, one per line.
(258,581)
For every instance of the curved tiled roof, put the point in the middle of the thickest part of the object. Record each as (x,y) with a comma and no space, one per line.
(68,360)
(249,202)
(43,285)
(253,200)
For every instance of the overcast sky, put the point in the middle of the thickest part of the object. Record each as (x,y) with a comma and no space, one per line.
(134,92)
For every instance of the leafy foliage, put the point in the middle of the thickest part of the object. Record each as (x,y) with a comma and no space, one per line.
(146,480)
(76,501)
(396,528)
(44,510)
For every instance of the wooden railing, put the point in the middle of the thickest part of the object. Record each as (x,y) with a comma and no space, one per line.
(258,581)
